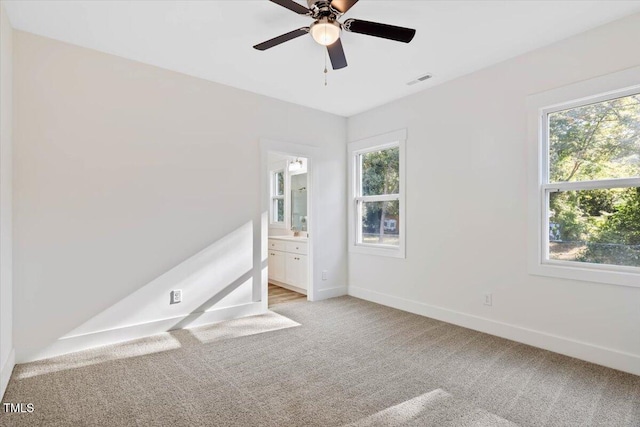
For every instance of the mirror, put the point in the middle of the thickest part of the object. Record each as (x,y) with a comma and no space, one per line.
(299,202)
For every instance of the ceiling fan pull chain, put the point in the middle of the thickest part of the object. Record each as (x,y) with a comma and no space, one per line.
(325,67)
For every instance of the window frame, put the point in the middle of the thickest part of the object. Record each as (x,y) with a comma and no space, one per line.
(605,88)
(356,199)
(274,197)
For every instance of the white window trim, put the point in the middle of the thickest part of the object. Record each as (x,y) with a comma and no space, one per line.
(273,197)
(388,140)
(605,87)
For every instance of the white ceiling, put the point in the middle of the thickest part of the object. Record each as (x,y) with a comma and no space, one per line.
(213,40)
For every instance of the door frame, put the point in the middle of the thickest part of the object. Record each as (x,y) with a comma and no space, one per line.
(295,150)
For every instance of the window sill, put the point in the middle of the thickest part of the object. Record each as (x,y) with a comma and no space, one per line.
(622,276)
(391,252)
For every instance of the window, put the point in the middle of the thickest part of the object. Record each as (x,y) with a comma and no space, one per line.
(277,197)
(377,208)
(592,188)
(588,190)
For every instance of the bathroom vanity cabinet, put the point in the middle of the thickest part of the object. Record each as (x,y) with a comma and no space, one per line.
(288,266)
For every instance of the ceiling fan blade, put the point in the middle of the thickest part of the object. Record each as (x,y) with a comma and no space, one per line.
(281,39)
(376,29)
(293,6)
(343,5)
(336,54)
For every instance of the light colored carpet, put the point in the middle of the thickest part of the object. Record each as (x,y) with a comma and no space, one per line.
(331,363)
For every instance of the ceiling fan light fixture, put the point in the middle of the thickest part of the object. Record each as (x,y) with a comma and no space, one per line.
(325,32)
(326,27)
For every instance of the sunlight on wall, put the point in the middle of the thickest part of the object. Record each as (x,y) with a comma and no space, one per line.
(263,294)
(217,284)
(264,236)
(212,276)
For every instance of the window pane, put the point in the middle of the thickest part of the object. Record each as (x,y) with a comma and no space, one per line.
(279,184)
(380,223)
(380,172)
(597,141)
(596,226)
(279,208)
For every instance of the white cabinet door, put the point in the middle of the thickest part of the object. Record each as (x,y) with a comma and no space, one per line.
(277,265)
(296,270)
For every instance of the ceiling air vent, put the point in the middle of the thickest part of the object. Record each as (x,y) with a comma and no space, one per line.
(419,79)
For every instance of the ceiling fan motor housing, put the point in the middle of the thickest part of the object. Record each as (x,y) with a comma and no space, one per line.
(322,9)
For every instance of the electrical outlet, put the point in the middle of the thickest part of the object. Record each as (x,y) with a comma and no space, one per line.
(176,296)
(324,274)
(488,299)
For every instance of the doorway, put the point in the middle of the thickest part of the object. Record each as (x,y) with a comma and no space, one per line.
(289,220)
(288,213)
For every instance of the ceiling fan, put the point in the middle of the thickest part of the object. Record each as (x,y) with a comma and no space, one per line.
(326,28)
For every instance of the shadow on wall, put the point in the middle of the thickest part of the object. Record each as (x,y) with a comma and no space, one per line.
(219,277)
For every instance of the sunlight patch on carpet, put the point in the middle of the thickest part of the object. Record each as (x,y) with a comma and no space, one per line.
(437,408)
(158,343)
(243,327)
(140,347)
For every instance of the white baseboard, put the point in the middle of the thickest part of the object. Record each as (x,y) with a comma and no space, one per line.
(75,343)
(331,293)
(615,359)
(5,373)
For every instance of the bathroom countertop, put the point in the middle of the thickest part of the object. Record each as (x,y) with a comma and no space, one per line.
(290,238)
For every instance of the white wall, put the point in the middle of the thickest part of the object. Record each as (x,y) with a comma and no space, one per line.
(467,208)
(125,171)
(6,268)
